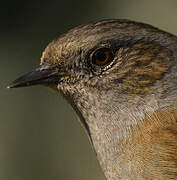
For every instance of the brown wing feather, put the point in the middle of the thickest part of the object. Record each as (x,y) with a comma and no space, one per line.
(155,145)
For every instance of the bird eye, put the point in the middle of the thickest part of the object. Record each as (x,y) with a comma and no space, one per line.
(102,56)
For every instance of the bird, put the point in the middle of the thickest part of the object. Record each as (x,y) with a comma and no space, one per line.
(120,77)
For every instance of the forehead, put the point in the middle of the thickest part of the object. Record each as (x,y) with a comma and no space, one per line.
(86,37)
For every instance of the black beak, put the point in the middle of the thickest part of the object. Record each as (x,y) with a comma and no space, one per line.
(45,75)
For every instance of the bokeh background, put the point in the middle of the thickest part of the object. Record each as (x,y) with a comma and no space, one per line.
(40,137)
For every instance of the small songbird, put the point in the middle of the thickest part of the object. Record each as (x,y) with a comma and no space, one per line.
(120,77)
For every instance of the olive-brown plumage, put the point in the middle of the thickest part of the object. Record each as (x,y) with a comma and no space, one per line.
(120,77)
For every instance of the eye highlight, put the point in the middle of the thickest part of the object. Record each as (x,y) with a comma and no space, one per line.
(102,56)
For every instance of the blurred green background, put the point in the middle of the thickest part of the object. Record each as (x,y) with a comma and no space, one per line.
(40,137)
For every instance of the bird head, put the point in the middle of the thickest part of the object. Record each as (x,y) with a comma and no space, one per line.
(118,55)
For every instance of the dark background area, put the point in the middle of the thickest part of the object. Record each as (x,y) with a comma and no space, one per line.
(40,137)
